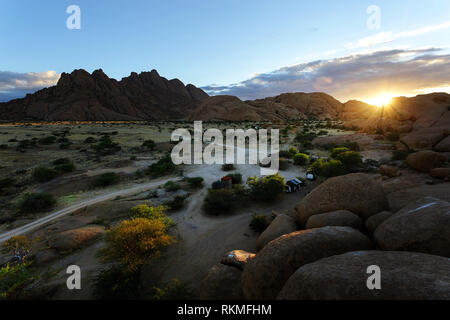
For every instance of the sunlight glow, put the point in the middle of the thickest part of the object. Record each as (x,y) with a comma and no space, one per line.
(380,100)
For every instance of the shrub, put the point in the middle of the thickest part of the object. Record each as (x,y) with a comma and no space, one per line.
(195,182)
(153,213)
(117,283)
(133,242)
(236,178)
(349,158)
(259,223)
(175,290)
(44,174)
(171,186)
(228,167)
(336,151)
(105,179)
(65,168)
(106,146)
(18,246)
(176,203)
(149,144)
(90,140)
(219,201)
(267,188)
(61,161)
(47,140)
(333,168)
(36,202)
(293,151)
(162,167)
(301,159)
(13,279)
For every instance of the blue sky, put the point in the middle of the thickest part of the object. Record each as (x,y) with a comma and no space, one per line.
(230,47)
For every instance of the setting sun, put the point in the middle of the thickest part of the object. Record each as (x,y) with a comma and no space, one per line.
(380,100)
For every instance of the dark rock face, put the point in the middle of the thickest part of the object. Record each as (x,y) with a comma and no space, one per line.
(82,96)
(421,226)
(404,276)
(265,275)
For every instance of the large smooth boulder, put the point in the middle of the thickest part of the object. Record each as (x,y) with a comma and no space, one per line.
(374,221)
(342,218)
(389,171)
(221,283)
(265,275)
(75,239)
(281,225)
(237,258)
(356,192)
(404,276)
(422,226)
(424,161)
(399,199)
(441,173)
(423,139)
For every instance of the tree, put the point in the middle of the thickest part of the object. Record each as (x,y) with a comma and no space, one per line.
(133,242)
(18,246)
(349,158)
(336,151)
(153,213)
(36,202)
(301,159)
(267,188)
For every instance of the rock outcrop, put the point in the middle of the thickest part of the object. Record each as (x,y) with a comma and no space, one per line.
(281,225)
(356,192)
(221,283)
(425,161)
(266,274)
(339,218)
(84,97)
(422,226)
(404,276)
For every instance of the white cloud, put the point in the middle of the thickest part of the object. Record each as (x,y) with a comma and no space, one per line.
(15,84)
(356,76)
(385,37)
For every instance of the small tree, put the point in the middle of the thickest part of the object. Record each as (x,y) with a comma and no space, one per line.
(267,188)
(133,242)
(349,158)
(36,202)
(336,151)
(44,174)
(18,246)
(301,159)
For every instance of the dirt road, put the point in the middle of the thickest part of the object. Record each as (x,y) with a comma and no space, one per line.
(65,211)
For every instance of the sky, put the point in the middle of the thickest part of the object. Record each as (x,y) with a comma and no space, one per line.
(351,49)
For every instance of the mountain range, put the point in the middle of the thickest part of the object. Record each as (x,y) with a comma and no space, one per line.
(81,96)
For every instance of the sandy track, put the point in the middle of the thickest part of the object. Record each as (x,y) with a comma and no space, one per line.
(65,211)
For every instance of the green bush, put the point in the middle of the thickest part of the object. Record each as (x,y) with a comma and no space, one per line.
(301,159)
(349,159)
(175,290)
(259,223)
(106,179)
(36,202)
(44,174)
(106,146)
(13,279)
(61,161)
(162,167)
(221,201)
(153,213)
(228,167)
(267,188)
(65,168)
(336,151)
(285,154)
(47,140)
(195,182)
(149,144)
(176,203)
(333,168)
(293,151)
(171,186)
(117,283)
